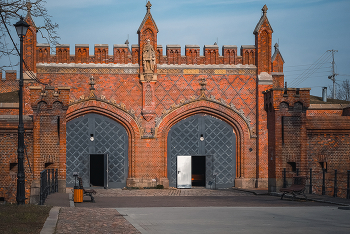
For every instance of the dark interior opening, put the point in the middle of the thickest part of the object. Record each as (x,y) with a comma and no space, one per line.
(323,165)
(12,165)
(96,170)
(2,198)
(293,166)
(198,170)
(48,164)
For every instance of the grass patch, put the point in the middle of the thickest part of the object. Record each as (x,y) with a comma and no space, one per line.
(22,218)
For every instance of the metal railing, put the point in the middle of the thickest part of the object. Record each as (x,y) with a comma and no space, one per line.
(335,183)
(48,184)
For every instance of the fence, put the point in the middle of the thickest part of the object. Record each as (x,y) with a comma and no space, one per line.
(332,183)
(48,183)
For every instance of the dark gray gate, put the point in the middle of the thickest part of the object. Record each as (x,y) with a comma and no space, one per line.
(207,136)
(96,134)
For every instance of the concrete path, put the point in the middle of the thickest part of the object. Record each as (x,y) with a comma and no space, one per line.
(238,220)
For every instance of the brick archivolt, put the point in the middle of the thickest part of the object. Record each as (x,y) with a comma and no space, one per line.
(215,109)
(220,107)
(115,112)
(109,108)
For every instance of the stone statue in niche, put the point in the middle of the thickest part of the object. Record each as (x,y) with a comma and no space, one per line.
(149,58)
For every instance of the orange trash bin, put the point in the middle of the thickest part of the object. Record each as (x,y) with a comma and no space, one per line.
(78,195)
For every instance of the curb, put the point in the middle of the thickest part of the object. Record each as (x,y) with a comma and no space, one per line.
(71,202)
(51,221)
(253,192)
(316,200)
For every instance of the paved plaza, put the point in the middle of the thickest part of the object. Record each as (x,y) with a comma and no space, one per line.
(245,220)
(195,210)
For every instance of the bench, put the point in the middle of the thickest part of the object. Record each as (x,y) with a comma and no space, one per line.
(297,188)
(87,192)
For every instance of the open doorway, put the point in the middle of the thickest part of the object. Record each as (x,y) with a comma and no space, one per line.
(97,169)
(198,171)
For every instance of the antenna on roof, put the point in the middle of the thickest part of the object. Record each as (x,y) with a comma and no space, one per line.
(332,77)
(127,40)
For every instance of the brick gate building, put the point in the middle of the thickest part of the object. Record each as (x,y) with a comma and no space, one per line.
(122,120)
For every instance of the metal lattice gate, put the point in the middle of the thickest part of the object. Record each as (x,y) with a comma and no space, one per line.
(96,134)
(202,135)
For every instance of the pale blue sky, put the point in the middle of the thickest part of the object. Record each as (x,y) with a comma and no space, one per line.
(305,29)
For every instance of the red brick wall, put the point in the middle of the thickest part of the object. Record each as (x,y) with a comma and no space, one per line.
(306,141)
(329,142)
(8,158)
(231,95)
(9,83)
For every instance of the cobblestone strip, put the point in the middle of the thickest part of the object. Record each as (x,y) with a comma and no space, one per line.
(169,192)
(96,220)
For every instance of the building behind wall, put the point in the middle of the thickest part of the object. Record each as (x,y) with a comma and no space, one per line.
(138,109)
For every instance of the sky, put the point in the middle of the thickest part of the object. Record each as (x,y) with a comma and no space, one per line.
(304,29)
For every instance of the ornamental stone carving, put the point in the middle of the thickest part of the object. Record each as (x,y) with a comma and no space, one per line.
(148,58)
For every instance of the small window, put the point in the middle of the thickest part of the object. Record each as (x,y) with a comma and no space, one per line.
(13,165)
(323,165)
(293,166)
(48,164)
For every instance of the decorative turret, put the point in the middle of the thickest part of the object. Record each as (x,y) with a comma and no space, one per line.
(263,35)
(148,68)
(148,43)
(29,43)
(277,68)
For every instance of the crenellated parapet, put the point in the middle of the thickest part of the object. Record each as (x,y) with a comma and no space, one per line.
(248,54)
(292,98)
(258,55)
(123,54)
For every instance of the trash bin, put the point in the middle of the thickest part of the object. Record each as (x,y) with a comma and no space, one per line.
(78,191)
(78,195)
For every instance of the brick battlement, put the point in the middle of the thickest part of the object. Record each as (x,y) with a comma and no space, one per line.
(122,54)
(290,96)
(49,95)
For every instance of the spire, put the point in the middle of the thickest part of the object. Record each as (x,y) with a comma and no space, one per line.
(148,15)
(277,52)
(264,9)
(148,5)
(29,18)
(29,7)
(262,20)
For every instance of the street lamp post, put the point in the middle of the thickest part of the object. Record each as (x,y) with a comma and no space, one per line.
(21,28)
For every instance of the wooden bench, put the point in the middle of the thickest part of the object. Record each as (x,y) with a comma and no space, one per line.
(297,188)
(87,192)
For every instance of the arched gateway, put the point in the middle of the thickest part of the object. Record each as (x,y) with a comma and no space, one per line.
(96,143)
(210,147)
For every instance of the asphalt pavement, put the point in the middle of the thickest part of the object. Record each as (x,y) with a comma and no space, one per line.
(196,210)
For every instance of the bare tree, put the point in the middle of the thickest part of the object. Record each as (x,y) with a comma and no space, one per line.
(10,11)
(342,91)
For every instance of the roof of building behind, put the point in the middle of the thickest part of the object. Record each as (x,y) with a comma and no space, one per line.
(10,97)
(318,100)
